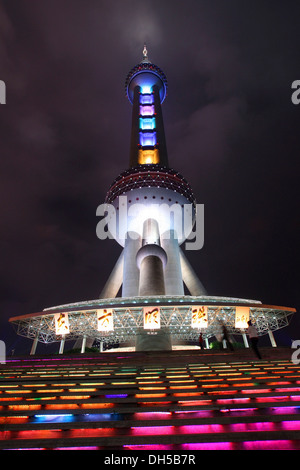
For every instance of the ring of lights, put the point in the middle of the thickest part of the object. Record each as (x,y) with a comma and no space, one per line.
(154,176)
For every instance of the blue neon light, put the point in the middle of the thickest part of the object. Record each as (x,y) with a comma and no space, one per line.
(53,416)
(146,89)
(122,395)
(146,99)
(147,124)
(62,418)
(147,139)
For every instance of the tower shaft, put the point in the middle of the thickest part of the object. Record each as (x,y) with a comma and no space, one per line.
(148,142)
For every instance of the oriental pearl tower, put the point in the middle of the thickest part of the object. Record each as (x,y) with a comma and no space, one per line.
(152,300)
(151,207)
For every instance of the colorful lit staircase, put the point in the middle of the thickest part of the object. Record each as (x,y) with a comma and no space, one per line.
(181,400)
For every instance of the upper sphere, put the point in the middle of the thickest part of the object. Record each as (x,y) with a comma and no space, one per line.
(146,75)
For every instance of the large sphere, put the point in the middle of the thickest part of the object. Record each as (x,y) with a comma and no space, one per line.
(150,191)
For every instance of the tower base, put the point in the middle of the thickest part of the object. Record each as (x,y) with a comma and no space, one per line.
(159,340)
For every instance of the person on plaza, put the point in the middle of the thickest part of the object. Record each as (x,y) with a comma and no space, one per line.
(226,337)
(253,336)
(201,341)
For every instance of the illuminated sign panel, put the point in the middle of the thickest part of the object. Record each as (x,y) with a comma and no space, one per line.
(242,316)
(62,324)
(105,320)
(199,317)
(151,318)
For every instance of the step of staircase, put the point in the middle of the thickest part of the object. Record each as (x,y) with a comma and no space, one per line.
(134,401)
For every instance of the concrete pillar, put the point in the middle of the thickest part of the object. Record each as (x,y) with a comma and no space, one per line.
(272,339)
(114,281)
(130,287)
(101,346)
(88,343)
(34,345)
(190,278)
(173,274)
(206,343)
(245,339)
(62,344)
(83,344)
(151,260)
(151,272)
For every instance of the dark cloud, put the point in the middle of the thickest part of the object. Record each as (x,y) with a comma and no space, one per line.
(231,130)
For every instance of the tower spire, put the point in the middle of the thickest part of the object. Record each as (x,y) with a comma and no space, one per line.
(146,87)
(145,54)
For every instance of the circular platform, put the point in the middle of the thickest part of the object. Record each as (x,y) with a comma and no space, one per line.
(127,315)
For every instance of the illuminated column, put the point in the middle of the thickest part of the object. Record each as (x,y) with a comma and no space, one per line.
(151,260)
(62,344)
(131,273)
(190,278)
(83,344)
(173,275)
(245,339)
(272,339)
(34,345)
(206,343)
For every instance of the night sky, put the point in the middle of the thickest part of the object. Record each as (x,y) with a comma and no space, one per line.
(231,129)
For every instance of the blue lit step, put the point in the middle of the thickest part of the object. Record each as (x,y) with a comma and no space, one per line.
(149,419)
